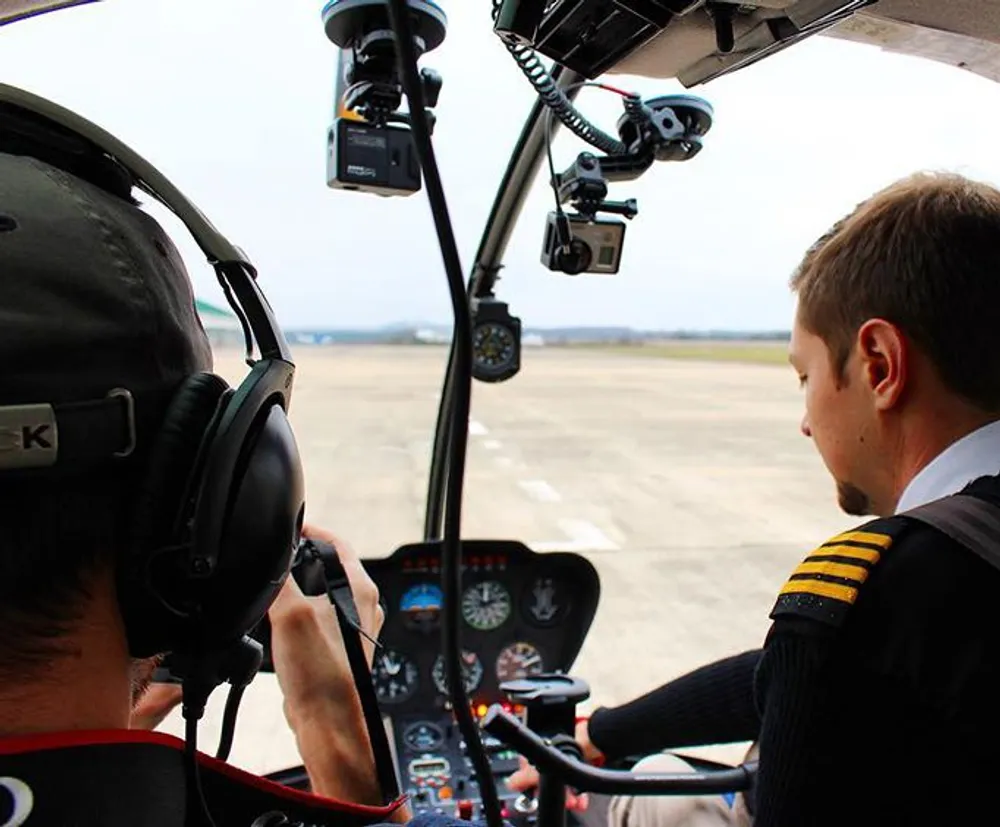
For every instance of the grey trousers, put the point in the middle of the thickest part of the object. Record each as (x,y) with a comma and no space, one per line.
(677,810)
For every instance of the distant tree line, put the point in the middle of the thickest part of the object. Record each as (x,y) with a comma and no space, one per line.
(622,336)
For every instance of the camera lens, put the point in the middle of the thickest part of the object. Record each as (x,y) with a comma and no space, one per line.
(578,259)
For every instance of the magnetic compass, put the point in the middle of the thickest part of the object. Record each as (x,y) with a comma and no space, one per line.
(496,342)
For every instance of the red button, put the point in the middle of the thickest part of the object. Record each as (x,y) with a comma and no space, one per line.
(465,810)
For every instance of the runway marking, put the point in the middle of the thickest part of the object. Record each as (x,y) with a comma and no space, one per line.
(540,490)
(491,444)
(583,536)
(477,428)
(504,462)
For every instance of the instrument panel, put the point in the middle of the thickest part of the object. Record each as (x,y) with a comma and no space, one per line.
(522,613)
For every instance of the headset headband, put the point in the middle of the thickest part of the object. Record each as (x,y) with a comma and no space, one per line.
(234,269)
(218,507)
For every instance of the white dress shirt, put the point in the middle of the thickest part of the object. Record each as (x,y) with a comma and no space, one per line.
(974,455)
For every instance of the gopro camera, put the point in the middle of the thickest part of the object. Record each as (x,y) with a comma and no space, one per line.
(595,245)
(368,158)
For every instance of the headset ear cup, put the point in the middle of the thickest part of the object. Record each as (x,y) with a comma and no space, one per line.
(162,509)
(260,532)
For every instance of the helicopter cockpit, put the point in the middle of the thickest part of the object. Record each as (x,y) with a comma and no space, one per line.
(474,666)
(509,690)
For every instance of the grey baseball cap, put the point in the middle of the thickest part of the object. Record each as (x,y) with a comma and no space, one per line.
(98,324)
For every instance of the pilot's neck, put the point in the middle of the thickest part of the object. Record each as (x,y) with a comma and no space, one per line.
(89,687)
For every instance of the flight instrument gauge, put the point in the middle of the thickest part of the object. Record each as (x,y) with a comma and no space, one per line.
(518,661)
(420,607)
(496,342)
(486,605)
(472,672)
(395,676)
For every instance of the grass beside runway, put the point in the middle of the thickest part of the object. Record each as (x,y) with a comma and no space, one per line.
(745,352)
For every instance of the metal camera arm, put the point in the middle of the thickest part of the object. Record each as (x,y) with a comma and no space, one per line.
(667,128)
(362,29)
(377,100)
(584,184)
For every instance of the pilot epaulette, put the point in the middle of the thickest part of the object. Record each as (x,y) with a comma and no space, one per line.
(825,585)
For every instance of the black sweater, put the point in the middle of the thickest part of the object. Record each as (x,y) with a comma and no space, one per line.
(888,715)
(711,705)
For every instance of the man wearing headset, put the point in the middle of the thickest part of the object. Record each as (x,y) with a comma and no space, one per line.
(94,297)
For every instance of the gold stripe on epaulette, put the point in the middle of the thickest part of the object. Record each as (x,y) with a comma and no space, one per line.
(854,552)
(846,594)
(869,537)
(856,573)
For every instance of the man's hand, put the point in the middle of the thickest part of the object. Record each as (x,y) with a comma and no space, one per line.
(527,777)
(591,754)
(321,702)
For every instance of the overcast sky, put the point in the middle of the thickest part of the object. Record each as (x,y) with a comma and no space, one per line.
(232,99)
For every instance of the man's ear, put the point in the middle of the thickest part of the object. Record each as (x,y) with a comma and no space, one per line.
(156,703)
(884,361)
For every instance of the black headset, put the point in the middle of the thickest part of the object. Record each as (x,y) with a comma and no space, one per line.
(219,512)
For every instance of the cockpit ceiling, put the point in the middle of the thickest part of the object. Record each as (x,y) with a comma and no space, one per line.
(13,10)
(962,33)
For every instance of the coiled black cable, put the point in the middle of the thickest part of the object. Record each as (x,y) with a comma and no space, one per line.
(554,98)
(559,104)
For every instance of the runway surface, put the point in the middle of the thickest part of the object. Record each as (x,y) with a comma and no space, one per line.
(687,484)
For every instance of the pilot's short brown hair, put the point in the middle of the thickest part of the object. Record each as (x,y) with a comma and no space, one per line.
(924,254)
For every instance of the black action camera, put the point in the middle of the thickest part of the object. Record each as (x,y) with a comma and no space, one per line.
(376,159)
(595,246)
(370,147)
